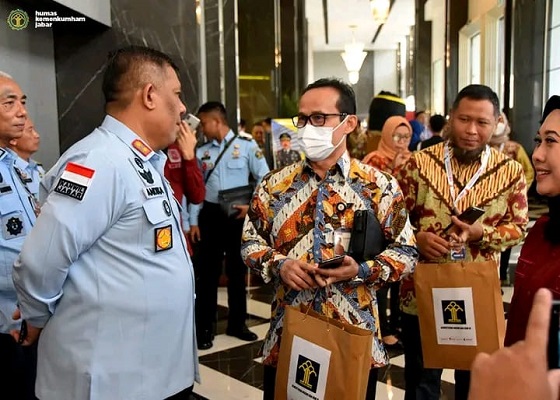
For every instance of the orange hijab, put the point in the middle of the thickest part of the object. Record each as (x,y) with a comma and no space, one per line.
(386,146)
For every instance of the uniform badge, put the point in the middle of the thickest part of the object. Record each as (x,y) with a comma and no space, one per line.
(12,226)
(74,181)
(163,238)
(142,147)
(153,191)
(174,155)
(5,189)
(259,154)
(236,146)
(206,155)
(235,153)
(166,208)
(145,174)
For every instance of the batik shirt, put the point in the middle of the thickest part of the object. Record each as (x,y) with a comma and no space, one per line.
(294,214)
(500,191)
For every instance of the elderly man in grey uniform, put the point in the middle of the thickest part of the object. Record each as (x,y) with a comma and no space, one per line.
(105,277)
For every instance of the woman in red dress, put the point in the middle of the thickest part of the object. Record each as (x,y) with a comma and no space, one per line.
(539,262)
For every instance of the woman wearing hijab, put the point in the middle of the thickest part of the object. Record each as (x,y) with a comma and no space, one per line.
(390,156)
(539,262)
(393,151)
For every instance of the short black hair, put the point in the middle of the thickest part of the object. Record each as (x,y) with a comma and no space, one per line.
(437,122)
(128,69)
(214,106)
(478,92)
(346,102)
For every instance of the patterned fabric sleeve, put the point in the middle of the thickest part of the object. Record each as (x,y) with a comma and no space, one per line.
(256,250)
(401,255)
(511,228)
(408,181)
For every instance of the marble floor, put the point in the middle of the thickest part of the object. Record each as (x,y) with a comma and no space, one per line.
(231,369)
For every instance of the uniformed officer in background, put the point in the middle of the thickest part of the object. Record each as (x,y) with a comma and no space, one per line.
(17,216)
(286,155)
(105,276)
(227,161)
(30,170)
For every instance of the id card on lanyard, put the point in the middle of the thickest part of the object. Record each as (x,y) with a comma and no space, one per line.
(458,250)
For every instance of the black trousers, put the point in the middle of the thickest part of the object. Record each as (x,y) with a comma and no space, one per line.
(389,326)
(18,368)
(504,263)
(269,383)
(425,383)
(182,395)
(219,234)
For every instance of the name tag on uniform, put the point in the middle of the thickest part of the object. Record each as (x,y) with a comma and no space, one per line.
(5,189)
(74,181)
(153,191)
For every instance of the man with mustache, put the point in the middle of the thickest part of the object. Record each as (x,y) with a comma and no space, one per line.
(439,183)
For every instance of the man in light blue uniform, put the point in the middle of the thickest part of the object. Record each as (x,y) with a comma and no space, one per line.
(105,277)
(17,216)
(218,232)
(29,170)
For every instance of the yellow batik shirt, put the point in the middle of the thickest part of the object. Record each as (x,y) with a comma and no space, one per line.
(294,214)
(500,191)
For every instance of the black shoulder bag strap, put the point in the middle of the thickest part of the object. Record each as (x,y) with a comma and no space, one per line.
(219,158)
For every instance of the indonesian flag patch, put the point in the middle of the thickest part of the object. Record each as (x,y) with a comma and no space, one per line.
(74,181)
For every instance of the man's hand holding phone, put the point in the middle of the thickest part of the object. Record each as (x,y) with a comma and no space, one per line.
(465,227)
(298,275)
(348,269)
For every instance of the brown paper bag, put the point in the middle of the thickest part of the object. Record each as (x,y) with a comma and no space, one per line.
(460,311)
(321,358)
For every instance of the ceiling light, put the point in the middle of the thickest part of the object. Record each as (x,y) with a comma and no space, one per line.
(353,56)
(380,10)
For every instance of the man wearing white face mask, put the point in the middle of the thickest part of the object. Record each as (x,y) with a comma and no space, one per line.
(301,215)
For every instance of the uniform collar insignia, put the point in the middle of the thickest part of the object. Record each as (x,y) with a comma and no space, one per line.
(142,148)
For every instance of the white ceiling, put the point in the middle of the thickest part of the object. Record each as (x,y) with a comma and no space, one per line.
(343,13)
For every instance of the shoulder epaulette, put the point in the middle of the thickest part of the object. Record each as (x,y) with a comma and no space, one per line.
(245,136)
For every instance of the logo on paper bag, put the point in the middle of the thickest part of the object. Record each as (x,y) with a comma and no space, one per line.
(307,374)
(454,312)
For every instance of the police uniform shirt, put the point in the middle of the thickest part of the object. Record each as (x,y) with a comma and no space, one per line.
(106,273)
(17,216)
(242,157)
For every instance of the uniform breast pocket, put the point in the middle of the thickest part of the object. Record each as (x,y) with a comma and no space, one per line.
(12,220)
(157,210)
(235,165)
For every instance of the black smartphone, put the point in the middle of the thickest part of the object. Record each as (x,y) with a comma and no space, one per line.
(554,336)
(469,216)
(334,262)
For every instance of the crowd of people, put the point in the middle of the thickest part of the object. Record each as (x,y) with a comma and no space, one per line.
(112,259)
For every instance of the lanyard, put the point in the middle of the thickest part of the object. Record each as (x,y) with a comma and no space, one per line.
(32,199)
(474,179)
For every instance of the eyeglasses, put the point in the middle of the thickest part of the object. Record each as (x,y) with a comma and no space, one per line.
(315,119)
(398,138)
